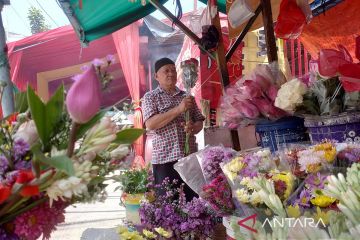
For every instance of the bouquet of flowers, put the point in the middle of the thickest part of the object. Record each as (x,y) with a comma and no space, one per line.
(253,97)
(202,172)
(51,157)
(332,87)
(172,217)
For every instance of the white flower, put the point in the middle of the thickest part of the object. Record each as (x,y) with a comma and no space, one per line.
(99,137)
(242,195)
(309,157)
(290,95)
(66,188)
(28,132)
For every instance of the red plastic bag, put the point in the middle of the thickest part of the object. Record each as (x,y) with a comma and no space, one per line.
(357,48)
(290,21)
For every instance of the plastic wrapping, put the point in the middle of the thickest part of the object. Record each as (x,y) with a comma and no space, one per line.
(290,21)
(239,13)
(190,171)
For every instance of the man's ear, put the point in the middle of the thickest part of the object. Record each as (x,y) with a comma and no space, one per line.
(155,76)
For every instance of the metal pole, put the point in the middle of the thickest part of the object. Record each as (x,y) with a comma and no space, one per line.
(7,101)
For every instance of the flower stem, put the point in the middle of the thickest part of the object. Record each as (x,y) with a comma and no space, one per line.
(187,147)
(72,139)
(22,210)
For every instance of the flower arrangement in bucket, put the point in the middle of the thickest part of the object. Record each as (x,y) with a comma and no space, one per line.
(134,184)
(329,97)
(251,100)
(52,156)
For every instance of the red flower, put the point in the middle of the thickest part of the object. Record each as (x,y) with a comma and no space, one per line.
(5,192)
(26,177)
(12,118)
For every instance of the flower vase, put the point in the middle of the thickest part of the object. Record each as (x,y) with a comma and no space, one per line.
(132,205)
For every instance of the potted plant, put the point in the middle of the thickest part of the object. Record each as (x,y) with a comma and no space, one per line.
(133,184)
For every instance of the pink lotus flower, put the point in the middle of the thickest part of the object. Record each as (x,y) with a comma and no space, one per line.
(83,98)
(247,108)
(250,89)
(272,92)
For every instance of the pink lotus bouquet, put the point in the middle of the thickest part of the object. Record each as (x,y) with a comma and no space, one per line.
(252,97)
(51,157)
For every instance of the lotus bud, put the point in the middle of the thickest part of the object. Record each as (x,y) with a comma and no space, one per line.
(28,132)
(84,96)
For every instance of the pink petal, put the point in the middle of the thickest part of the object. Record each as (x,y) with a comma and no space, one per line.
(83,98)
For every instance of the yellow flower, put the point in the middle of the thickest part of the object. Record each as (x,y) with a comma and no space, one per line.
(163,232)
(131,236)
(242,195)
(323,215)
(322,201)
(149,234)
(255,198)
(289,179)
(330,155)
(328,149)
(313,168)
(121,229)
(293,212)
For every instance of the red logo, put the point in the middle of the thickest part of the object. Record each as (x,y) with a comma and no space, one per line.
(242,221)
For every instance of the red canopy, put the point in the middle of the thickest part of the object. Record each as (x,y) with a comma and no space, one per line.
(54,56)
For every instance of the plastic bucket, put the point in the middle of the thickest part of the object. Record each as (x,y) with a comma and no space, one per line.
(343,128)
(132,205)
(284,130)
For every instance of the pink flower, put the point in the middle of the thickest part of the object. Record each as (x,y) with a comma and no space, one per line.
(247,108)
(84,96)
(110,58)
(41,220)
(272,92)
(97,62)
(251,89)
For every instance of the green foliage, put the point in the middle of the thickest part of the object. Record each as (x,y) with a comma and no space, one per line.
(46,115)
(133,181)
(21,104)
(128,136)
(62,163)
(37,21)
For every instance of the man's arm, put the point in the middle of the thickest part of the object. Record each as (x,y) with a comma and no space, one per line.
(162,119)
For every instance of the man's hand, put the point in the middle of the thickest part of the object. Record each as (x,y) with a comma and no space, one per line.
(189,127)
(186,104)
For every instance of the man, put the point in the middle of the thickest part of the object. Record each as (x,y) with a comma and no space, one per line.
(164,113)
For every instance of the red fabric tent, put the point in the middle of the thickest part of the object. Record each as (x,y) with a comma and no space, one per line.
(56,51)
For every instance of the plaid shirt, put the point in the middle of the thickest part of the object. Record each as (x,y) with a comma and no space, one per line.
(169,141)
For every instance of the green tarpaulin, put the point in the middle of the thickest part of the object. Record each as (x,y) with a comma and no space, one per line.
(98,18)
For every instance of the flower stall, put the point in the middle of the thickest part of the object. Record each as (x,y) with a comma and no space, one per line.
(57,153)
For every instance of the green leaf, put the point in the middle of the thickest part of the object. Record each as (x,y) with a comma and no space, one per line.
(46,115)
(128,136)
(62,163)
(21,104)
(97,180)
(86,126)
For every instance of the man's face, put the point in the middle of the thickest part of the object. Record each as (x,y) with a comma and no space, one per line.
(166,76)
